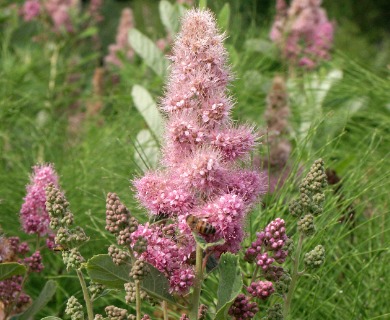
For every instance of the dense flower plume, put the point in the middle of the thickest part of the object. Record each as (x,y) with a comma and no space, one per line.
(303,32)
(122,43)
(33,214)
(200,174)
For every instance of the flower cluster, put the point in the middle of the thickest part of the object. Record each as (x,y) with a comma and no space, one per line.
(200,177)
(269,245)
(242,308)
(122,43)
(303,32)
(12,296)
(61,13)
(33,214)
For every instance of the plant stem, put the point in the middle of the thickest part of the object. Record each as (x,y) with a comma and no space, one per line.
(138,299)
(193,313)
(87,299)
(294,277)
(255,273)
(165,309)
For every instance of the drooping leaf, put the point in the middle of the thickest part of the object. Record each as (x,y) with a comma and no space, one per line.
(230,284)
(88,33)
(170,16)
(44,297)
(147,107)
(204,244)
(101,269)
(202,4)
(149,52)
(9,269)
(147,151)
(156,284)
(224,17)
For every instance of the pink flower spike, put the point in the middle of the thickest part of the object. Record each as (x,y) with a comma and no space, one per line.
(33,214)
(31,9)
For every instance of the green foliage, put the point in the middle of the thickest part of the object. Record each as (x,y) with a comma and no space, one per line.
(224,17)
(230,283)
(9,269)
(149,52)
(204,244)
(102,270)
(44,297)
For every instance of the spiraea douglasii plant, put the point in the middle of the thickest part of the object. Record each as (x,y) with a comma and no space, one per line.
(197,203)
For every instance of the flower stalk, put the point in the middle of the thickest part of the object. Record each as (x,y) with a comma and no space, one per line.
(294,277)
(138,299)
(87,298)
(198,283)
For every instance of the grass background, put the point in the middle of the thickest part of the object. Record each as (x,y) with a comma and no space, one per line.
(100,157)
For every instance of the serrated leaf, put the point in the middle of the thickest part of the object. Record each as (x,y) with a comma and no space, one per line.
(224,17)
(170,16)
(44,297)
(204,244)
(147,107)
(230,283)
(156,284)
(147,151)
(202,4)
(102,269)
(9,269)
(149,52)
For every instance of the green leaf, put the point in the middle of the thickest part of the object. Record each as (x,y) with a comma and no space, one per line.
(9,269)
(263,46)
(149,52)
(102,269)
(204,244)
(147,150)
(51,318)
(88,33)
(147,107)
(44,297)
(224,17)
(202,4)
(230,284)
(170,16)
(156,284)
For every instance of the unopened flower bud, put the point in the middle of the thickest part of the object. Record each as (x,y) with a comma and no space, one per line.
(117,255)
(140,245)
(261,289)
(72,258)
(306,225)
(95,289)
(115,313)
(242,308)
(139,270)
(131,293)
(315,258)
(202,312)
(74,309)
(275,312)
(295,208)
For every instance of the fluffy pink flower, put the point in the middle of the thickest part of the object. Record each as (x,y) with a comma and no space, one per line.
(60,13)
(163,196)
(122,44)
(33,214)
(167,255)
(31,9)
(234,143)
(302,32)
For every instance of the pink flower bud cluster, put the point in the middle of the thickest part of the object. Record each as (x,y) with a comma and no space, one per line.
(11,289)
(242,308)
(200,176)
(303,32)
(269,245)
(34,263)
(261,289)
(33,214)
(126,23)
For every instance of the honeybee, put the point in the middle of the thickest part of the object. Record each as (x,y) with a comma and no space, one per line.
(200,225)
(59,247)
